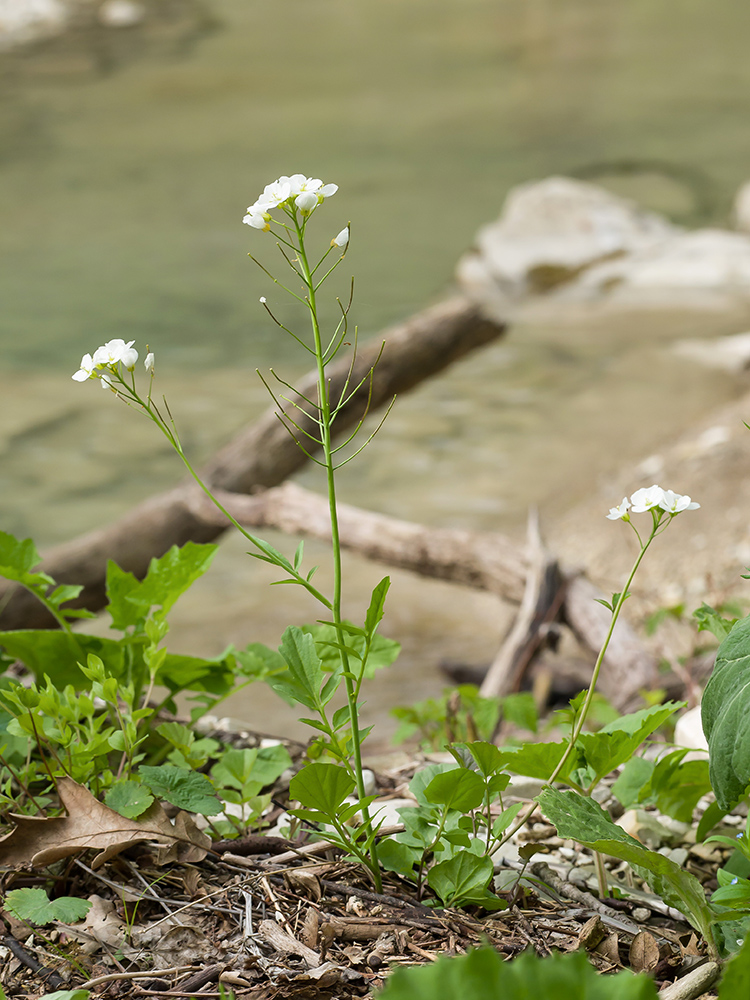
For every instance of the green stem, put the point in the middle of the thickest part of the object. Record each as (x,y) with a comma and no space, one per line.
(325,426)
(579,723)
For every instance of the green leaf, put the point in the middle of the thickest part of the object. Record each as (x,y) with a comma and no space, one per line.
(484,975)
(377,605)
(726,717)
(713,815)
(488,758)
(579,818)
(710,620)
(520,709)
(35,907)
(67,995)
(539,760)
(262,765)
(735,982)
(184,788)
(129,798)
(258,662)
(396,856)
(677,785)
(463,880)
(458,789)
(616,742)
(304,676)
(322,786)
(505,818)
(51,652)
(172,574)
(635,775)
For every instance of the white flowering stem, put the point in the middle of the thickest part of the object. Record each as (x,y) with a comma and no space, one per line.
(324,404)
(581,717)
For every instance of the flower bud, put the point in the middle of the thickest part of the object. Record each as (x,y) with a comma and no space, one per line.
(342,239)
(129,358)
(148,362)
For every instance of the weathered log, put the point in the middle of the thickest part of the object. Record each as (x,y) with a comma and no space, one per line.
(483,561)
(259,457)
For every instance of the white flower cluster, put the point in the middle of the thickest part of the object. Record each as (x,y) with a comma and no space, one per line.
(107,358)
(651,498)
(306,193)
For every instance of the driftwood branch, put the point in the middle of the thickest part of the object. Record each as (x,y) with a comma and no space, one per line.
(260,457)
(483,561)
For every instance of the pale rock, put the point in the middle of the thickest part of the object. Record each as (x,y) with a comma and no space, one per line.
(646,828)
(704,265)
(26,20)
(522,787)
(387,810)
(689,733)
(551,230)
(121,13)
(640,914)
(731,354)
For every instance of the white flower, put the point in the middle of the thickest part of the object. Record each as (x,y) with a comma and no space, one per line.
(128,358)
(262,300)
(646,498)
(257,220)
(674,503)
(276,193)
(306,201)
(342,239)
(621,512)
(307,192)
(87,369)
(113,352)
(148,362)
(106,382)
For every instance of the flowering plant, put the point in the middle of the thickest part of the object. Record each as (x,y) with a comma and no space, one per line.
(319,660)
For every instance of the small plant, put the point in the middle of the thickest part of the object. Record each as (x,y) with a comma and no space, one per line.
(315,667)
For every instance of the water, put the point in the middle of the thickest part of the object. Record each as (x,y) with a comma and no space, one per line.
(127,157)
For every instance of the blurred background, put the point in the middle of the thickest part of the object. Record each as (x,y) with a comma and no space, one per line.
(133,134)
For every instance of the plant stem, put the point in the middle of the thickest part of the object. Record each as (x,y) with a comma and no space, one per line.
(579,723)
(325,427)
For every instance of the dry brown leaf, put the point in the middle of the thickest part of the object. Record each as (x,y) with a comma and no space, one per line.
(644,952)
(90,825)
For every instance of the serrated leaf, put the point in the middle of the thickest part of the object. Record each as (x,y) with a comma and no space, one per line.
(129,798)
(170,575)
(710,620)
(616,742)
(183,787)
(725,710)
(262,765)
(579,818)
(35,907)
(304,675)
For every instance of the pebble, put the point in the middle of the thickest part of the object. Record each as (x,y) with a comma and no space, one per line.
(640,914)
